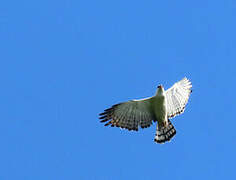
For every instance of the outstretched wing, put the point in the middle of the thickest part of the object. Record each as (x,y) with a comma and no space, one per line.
(177,97)
(129,115)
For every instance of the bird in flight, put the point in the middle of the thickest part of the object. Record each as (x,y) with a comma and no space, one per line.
(159,108)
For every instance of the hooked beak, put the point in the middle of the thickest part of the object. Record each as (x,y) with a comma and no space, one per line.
(160,86)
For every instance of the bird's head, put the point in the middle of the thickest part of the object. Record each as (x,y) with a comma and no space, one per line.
(160,86)
(160,90)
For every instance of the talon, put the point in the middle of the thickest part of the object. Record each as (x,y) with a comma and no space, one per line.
(165,123)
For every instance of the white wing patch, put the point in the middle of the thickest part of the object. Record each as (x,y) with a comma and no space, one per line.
(129,115)
(177,97)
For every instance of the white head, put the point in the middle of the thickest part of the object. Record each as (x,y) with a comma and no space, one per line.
(160,90)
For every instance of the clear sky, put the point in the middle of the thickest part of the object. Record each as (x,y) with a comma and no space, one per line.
(62,62)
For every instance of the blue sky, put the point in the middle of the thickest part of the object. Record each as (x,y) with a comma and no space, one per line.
(62,62)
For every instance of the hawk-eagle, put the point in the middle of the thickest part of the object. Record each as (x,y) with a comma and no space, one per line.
(161,107)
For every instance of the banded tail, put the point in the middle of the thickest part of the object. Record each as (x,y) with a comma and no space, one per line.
(164,134)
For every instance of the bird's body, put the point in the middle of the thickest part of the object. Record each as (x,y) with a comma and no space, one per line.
(161,107)
(159,104)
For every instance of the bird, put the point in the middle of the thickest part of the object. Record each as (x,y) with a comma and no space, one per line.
(159,108)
